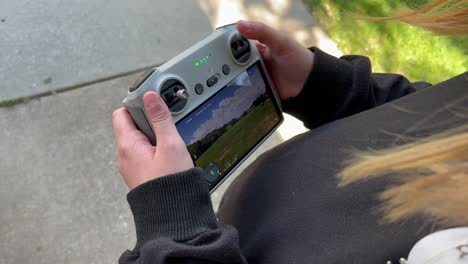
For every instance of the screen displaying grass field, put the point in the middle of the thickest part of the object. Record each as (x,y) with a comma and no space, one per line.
(219,133)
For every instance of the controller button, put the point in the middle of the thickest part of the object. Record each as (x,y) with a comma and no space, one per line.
(170,94)
(213,80)
(199,88)
(240,48)
(226,69)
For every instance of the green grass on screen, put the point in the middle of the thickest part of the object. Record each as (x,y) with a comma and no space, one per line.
(240,138)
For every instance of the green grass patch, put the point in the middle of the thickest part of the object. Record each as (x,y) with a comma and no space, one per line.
(9,103)
(393,47)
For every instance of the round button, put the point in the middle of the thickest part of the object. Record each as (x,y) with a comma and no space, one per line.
(213,172)
(226,69)
(199,88)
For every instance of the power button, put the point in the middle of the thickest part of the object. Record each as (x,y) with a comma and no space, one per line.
(213,80)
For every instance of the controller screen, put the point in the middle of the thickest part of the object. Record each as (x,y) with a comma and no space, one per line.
(223,130)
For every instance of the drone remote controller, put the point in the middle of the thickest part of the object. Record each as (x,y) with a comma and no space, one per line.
(221,97)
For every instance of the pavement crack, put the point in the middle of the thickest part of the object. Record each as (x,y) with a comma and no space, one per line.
(25,99)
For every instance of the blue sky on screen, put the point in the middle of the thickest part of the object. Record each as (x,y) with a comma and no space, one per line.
(228,104)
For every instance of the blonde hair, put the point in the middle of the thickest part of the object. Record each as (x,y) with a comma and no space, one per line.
(444,17)
(431,177)
(431,173)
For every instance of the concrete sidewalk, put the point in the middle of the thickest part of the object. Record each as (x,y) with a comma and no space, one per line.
(61,197)
(51,44)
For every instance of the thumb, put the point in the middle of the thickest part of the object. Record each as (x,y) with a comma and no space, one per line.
(160,118)
(261,32)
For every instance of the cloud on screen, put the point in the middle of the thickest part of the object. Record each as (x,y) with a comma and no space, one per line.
(230,107)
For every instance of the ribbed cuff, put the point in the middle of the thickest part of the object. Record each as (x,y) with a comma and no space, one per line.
(315,103)
(176,206)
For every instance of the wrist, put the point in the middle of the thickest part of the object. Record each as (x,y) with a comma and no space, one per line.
(307,63)
(327,82)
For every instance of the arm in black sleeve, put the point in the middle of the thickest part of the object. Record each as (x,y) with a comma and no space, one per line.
(175,223)
(337,88)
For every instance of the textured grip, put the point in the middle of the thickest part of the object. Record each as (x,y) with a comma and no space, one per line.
(141,122)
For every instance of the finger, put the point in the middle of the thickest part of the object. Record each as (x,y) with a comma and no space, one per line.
(264,51)
(126,133)
(122,123)
(261,32)
(160,118)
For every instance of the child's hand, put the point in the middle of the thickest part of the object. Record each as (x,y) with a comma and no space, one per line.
(139,161)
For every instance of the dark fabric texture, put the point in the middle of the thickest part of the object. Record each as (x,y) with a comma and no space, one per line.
(338,88)
(286,207)
(214,246)
(175,206)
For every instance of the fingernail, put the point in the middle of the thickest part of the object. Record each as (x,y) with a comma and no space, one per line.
(246,25)
(154,102)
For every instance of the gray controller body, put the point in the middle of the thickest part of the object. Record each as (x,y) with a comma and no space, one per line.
(211,64)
